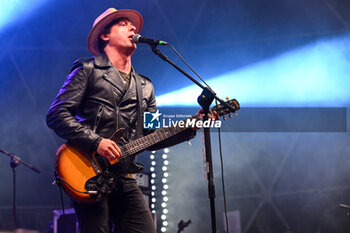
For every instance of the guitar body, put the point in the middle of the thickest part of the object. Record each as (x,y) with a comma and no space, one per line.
(88,178)
(75,168)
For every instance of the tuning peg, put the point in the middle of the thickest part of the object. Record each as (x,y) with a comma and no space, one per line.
(229,115)
(227,98)
(224,118)
(236,114)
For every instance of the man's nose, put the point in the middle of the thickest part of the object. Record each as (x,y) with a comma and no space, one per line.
(132,27)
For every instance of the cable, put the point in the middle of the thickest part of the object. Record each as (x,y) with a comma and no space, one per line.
(62,204)
(86,192)
(188,65)
(223,179)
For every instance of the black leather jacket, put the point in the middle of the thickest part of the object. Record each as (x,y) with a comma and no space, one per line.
(93,104)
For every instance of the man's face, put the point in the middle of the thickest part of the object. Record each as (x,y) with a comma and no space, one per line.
(120,36)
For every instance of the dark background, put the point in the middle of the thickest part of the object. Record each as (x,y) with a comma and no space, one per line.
(278,180)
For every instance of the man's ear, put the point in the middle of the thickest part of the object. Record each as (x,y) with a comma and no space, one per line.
(104,37)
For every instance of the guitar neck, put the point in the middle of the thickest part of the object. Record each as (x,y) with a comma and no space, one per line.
(162,134)
(149,140)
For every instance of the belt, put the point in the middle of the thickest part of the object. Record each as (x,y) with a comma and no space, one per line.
(130,176)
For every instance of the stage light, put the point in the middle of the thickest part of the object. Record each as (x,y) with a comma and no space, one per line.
(151,157)
(164,168)
(151,169)
(154,199)
(165,186)
(163,192)
(165,223)
(163,204)
(165,198)
(166,150)
(153,187)
(164,156)
(166,162)
(153,175)
(163,217)
(163,229)
(164,180)
(165,211)
(152,181)
(315,75)
(166,174)
(153,163)
(13,11)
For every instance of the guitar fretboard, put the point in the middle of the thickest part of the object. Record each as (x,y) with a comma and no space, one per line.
(159,135)
(149,140)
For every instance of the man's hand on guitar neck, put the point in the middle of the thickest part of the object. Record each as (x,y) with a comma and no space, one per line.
(109,149)
(213,116)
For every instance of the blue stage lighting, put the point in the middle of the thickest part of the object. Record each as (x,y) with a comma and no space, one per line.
(13,10)
(316,75)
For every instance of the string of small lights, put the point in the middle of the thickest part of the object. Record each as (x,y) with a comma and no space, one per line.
(160,188)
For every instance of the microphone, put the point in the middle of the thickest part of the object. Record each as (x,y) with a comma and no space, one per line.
(137,38)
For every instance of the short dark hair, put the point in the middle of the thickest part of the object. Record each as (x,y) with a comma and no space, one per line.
(107,30)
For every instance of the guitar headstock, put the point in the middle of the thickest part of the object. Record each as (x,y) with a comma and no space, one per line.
(222,110)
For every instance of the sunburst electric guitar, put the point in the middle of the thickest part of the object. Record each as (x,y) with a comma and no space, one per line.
(90,177)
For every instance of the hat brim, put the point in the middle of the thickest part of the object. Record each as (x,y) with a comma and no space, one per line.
(132,15)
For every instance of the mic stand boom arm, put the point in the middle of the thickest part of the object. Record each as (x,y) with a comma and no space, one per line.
(205,99)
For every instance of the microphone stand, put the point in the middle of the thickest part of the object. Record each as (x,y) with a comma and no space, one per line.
(14,162)
(205,99)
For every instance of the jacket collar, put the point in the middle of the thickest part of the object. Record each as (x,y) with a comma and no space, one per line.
(102,61)
(111,73)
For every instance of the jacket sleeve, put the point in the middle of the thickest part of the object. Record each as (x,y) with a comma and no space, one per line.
(61,116)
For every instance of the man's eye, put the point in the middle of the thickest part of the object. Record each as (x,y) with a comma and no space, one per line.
(122,24)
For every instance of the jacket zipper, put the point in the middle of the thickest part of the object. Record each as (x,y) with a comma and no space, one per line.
(98,117)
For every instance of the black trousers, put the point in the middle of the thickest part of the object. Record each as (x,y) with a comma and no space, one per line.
(125,207)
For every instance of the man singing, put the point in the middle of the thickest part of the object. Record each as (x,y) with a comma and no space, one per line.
(99,96)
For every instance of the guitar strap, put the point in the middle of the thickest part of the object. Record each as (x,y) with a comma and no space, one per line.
(139,131)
